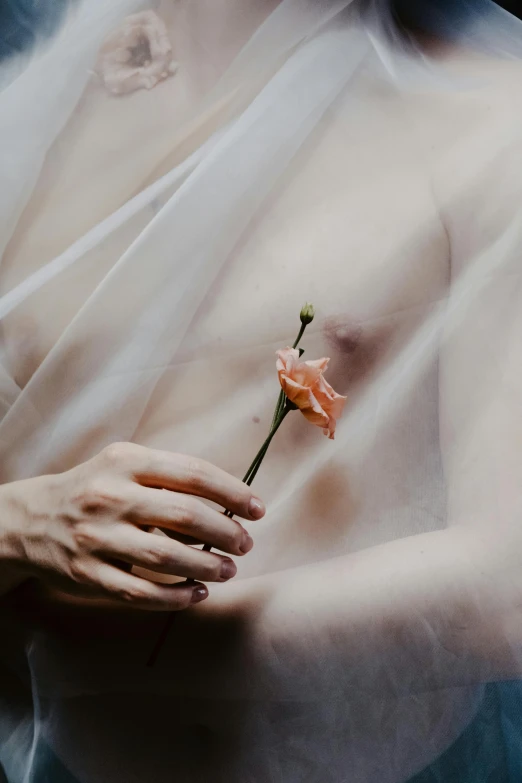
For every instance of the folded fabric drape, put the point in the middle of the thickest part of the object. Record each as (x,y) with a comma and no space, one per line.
(156,248)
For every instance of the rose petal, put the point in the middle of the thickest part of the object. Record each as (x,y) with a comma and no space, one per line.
(304,385)
(300,395)
(306,375)
(316,415)
(319,364)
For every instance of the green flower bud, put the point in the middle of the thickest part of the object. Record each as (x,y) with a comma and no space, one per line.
(307,314)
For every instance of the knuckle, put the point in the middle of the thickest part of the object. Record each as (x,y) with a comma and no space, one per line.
(241,500)
(236,538)
(114,453)
(212,570)
(79,572)
(185,512)
(118,454)
(131,594)
(197,475)
(98,496)
(158,557)
(85,536)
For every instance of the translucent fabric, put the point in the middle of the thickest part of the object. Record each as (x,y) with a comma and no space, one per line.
(23,21)
(157,248)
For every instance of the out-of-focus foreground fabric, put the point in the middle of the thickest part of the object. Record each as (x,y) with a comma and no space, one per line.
(157,247)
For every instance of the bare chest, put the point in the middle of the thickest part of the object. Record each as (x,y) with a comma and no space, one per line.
(351,227)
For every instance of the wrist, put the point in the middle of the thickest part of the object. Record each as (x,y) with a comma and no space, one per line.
(12,565)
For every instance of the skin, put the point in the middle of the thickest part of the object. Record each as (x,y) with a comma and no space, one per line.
(412,616)
(70,530)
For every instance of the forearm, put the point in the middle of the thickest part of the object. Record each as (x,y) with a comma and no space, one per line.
(416,614)
(422,613)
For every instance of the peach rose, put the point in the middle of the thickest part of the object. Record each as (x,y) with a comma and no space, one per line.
(137,56)
(305,386)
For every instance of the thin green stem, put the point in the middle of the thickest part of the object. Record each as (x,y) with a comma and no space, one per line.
(281,399)
(300,335)
(282,410)
(278,408)
(264,450)
(260,454)
(258,459)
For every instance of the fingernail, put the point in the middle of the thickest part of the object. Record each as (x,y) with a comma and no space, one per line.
(228,570)
(199,594)
(247,544)
(256,509)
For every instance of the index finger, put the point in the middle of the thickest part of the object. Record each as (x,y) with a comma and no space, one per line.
(193,476)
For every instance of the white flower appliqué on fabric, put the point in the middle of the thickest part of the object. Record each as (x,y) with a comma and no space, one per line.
(136,56)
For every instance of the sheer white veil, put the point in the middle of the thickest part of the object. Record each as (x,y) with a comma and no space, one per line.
(148,251)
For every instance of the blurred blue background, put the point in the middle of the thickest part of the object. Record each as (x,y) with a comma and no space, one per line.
(24,21)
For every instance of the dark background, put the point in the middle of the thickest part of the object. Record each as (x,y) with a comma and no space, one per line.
(513,6)
(23,21)
(445,17)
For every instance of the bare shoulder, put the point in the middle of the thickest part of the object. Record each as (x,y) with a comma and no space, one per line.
(470,114)
(486,85)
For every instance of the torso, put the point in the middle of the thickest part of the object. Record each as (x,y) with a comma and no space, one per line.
(357,232)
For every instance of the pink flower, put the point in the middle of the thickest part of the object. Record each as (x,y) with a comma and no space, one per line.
(305,386)
(138,55)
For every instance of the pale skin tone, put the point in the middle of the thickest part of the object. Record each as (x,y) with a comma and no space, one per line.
(69,530)
(97,498)
(460,584)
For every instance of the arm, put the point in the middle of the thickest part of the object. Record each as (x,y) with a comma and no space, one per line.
(414,614)
(419,613)
(411,615)
(424,612)
(81,532)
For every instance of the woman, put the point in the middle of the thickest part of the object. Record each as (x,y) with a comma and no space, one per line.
(175,185)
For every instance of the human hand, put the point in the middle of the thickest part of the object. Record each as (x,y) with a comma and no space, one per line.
(71,530)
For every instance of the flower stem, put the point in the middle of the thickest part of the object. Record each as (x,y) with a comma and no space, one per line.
(251,473)
(278,408)
(248,479)
(283,408)
(262,453)
(281,399)
(300,335)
